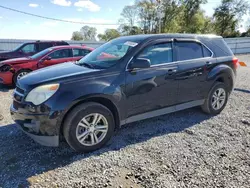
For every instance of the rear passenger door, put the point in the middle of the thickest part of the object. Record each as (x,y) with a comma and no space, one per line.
(44,45)
(193,61)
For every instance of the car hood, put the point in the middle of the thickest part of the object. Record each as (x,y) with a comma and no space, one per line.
(4,52)
(57,73)
(15,61)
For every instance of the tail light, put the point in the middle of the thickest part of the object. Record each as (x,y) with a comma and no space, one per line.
(235,62)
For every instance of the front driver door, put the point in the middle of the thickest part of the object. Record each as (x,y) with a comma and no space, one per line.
(155,87)
(56,57)
(27,50)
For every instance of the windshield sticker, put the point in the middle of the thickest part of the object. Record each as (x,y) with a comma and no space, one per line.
(132,44)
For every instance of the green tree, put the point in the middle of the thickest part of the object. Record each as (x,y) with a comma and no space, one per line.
(228,15)
(127,30)
(88,33)
(109,34)
(172,11)
(148,15)
(76,36)
(192,16)
(129,15)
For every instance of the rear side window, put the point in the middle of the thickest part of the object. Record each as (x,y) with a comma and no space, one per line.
(158,53)
(188,50)
(43,46)
(80,52)
(206,52)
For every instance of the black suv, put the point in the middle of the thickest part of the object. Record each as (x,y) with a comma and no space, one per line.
(29,49)
(125,80)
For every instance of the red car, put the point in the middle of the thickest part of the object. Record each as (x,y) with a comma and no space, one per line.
(13,69)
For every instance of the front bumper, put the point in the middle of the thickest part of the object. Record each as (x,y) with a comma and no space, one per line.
(6,78)
(44,128)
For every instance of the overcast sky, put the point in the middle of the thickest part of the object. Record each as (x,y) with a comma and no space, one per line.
(14,25)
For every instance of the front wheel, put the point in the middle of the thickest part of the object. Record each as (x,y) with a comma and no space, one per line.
(216,100)
(19,75)
(88,127)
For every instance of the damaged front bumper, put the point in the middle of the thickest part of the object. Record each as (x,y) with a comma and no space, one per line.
(40,122)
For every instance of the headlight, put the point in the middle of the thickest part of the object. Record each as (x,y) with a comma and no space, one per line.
(5,68)
(41,93)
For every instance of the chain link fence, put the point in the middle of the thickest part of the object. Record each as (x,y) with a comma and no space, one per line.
(237,45)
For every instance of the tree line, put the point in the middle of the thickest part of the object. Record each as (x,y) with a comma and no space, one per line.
(174,16)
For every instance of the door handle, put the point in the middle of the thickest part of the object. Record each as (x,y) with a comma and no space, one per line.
(171,71)
(209,63)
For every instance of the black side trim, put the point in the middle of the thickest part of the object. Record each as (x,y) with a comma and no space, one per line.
(162,111)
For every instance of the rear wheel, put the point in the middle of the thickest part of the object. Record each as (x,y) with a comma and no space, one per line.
(216,100)
(20,74)
(88,127)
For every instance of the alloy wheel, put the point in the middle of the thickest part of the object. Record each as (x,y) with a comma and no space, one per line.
(92,129)
(21,75)
(218,98)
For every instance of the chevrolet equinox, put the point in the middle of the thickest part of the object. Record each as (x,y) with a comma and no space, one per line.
(142,77)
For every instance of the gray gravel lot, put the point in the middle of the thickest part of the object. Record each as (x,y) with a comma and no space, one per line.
(183,149)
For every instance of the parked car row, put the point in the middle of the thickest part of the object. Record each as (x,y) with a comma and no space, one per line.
(125,80)
(13,69)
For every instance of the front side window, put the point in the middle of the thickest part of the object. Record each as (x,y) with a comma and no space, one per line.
(158,53)
(41,54)
(108,54)
(29,48)
(188,50)
(64,53)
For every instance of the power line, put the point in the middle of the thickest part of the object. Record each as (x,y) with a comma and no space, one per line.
(55,19)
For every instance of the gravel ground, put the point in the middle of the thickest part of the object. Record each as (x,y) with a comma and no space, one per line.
(183,149)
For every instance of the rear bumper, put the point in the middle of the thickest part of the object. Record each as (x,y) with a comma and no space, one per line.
(6,78)
(38,126)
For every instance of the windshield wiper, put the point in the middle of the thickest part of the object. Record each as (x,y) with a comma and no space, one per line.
(87,65)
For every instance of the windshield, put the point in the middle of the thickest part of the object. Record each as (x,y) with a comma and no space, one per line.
(18,47)
(41,54)
(108,54)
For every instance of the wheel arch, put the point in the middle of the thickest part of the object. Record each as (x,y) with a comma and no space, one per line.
(224,74)
(18,71)
(98,99)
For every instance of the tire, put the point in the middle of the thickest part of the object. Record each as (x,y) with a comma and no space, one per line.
(24,72)
(72,129)
(208,106)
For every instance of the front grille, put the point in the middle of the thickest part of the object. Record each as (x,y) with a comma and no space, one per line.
(15,105)
(19,90)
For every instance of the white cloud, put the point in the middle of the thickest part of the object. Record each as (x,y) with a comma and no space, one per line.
(1,17)
(27,22)
(88,5)
(79,10)
(64,3)
(33,5)
(110,9)
(131,2)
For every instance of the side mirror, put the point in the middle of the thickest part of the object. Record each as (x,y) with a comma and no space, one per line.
(140,63)
(47,58)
